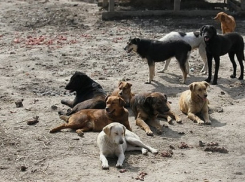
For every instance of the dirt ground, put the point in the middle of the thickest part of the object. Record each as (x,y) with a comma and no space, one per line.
(42,43)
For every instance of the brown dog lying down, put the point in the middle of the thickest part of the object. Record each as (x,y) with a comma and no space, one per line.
(147,107)
(96,119)
(195,101)
(89,94)
(228,23)
(124,91)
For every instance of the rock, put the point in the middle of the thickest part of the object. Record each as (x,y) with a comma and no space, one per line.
(19,103)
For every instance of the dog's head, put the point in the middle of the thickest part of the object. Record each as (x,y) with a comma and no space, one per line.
(199,90)
(114,104)
(221,16)
(116,132)
(78,81)
(158,102)
(132,45)
(124,88)
(208,32)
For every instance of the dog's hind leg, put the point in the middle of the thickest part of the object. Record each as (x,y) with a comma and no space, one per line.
(202,53)
(136,144)
(231,56)
(240,58)
(166,63)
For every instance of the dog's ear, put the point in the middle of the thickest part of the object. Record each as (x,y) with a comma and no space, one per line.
(107,130)
(122,103)
(192,86)
(120,83)
(214,29)
(129,85)
(149,100)
(201,30)
(124,130)
(206,83)
(106,98)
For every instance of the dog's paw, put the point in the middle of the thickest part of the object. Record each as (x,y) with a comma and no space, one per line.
(208,80)
(208,122)
(148,82)
(105,166)
(144,151)
(200,122)
(149,133)
(159,132)
(233,76)
(240,78)
(119,165)
(80,133)
(154,151)
(214,83)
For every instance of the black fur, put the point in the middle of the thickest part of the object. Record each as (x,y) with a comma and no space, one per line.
(182,34)
(156,51)
(89,94)
(218,45)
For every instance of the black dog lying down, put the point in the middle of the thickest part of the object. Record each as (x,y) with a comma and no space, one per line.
(89,94)
(218,45)
(156,51)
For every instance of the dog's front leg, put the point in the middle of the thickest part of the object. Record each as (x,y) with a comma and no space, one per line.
(151,65)
(156,124)
(206,116)
(141,123)
(195,118)
(209,58)
(67,102)
(217,63)
(104,162)
(166,63)
(120,160)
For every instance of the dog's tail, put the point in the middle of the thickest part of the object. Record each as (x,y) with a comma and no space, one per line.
(65,118)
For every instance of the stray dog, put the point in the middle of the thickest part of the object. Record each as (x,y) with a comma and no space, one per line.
(147,107)
(115,139)
(156,51)
(124,91)
(228,23)
(194,39)
(95,119)
(195,101)
(89,94)
(218,45)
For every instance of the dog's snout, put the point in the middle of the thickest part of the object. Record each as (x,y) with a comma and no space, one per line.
(121,141)
(107,109)
(120,93)
(205,95)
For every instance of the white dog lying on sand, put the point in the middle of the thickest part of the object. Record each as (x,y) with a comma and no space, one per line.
(115,139)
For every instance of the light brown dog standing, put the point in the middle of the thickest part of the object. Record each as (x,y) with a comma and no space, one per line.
(195,101)
(124,91)
(228,23)
(96,119)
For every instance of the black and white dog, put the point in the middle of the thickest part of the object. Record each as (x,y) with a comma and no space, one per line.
(194,39)
(156,51)
(218,45)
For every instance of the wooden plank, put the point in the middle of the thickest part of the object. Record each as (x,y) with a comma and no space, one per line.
(131,14)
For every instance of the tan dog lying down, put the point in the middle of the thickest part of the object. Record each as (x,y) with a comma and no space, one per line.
(96,119)
(195,101)
(124,91)
(115,139)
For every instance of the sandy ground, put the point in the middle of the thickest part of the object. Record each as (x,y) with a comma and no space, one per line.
(43,43)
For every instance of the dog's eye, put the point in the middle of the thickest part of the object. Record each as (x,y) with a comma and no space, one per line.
(116,133)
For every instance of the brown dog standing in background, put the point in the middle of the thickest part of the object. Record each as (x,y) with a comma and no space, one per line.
(124,91)
(96,119)
(228,23)
(147,107)
(194,101)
